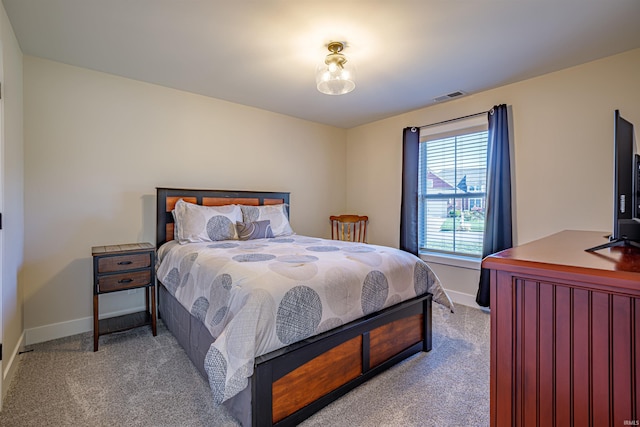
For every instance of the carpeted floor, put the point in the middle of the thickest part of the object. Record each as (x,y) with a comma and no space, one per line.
(136,379)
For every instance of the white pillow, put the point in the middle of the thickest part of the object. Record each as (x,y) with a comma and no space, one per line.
(277,214)
(195,223)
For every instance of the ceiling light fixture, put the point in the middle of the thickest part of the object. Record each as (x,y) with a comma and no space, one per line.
(336,75)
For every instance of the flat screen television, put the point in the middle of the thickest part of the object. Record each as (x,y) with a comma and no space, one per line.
(626,187)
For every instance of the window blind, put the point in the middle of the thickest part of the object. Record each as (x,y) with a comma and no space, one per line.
(452,186)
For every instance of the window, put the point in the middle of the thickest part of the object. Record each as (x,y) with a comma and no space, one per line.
(452,186)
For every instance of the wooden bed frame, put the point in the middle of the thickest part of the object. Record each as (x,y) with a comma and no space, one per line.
(292,383)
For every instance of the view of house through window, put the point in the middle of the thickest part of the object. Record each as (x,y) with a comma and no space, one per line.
(452,186)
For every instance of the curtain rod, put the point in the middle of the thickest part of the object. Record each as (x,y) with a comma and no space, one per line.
(453,120)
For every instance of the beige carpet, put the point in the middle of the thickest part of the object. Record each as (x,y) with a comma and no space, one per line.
(136,379)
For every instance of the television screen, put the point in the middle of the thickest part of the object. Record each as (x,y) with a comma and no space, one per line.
(626,187)
(624,174)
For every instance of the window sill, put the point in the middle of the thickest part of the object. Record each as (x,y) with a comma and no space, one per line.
(451,260)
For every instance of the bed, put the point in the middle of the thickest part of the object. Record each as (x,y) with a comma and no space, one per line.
(312,366)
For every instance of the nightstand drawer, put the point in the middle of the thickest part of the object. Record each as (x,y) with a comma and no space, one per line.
(123,262)
(113,282)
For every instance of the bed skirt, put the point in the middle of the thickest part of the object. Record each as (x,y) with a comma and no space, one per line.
(195,339)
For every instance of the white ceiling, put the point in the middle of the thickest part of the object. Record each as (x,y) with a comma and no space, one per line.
(263,53)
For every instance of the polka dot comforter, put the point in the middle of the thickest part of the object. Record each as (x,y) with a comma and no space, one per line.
(256,296)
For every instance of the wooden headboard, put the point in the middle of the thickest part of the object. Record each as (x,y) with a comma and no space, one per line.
(167,198)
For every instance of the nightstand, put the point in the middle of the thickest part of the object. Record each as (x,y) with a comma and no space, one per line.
(118,268)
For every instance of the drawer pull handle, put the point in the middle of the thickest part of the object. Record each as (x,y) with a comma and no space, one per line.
(124,263)
(125,280)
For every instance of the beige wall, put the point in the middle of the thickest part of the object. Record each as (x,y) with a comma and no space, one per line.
(12,200)
(97,145)
(562,139)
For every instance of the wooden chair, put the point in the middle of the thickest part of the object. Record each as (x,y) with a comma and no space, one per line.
(352,228)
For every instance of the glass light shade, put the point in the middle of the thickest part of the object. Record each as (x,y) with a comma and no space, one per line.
(334,78)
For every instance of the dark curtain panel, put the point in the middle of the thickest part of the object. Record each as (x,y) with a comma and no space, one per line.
(497,225)
(409,207)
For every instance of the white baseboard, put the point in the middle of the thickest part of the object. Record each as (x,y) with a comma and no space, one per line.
(463,299)
(10,367)
(71,327)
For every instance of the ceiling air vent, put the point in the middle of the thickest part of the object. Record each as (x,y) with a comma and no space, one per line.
(451,95)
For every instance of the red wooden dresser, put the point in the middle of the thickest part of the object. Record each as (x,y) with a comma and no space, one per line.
(565,333)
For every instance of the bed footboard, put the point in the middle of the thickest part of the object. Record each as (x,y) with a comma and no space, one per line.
(291,384)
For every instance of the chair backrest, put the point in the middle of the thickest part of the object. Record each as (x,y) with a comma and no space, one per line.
(352,228)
